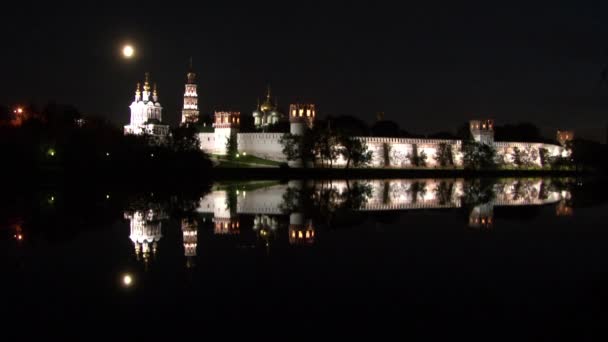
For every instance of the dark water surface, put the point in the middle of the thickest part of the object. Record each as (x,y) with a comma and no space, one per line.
(446,258)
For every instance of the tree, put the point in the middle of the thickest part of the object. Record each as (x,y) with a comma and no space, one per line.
(325,146)
(184,138)
(444,155)
(386,154)
(478,156)
(354,150)
(417,158)
(231,147)
(543,153)
(517,157)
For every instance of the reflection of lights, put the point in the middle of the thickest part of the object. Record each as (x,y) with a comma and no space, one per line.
(127,280)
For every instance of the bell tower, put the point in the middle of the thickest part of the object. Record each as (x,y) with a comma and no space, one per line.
(190,109)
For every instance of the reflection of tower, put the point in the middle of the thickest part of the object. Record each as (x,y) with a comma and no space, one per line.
(563,208)
(190,110)
(300,232)
(226,225)
(145,232)
(482,216)
(225,220)
(265,226)
(190,235)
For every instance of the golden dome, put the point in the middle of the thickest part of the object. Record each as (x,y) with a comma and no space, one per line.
(267,104)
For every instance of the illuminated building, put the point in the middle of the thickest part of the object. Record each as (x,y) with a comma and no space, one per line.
(190,109)
(267,113)
(146,113)
(301,117)
(564,137)
(190,238)
(482,131)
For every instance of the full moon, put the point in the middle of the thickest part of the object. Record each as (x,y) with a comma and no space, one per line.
(128,51)
(127,280)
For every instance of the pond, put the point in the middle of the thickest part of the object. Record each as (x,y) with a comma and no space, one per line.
(439,258)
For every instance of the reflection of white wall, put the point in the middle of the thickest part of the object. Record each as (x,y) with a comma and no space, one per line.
(399,194)
(215,202)
(266,200)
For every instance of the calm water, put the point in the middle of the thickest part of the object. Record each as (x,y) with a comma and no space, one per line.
(438,258)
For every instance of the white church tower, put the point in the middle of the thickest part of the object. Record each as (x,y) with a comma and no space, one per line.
(190,109)
(146,113)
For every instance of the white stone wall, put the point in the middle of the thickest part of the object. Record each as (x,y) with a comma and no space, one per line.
(207,142)
(268,146)
(530,151)
(263,145)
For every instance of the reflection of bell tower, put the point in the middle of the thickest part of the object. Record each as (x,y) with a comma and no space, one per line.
(482,216)
(190,237)
(145,233)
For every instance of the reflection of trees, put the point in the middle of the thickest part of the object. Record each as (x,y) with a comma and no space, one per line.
(325,202)
(478,191)
(524,190)
(444,192)
(418,189)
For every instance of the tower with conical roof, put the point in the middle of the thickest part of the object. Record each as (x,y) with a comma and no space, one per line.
(190,110)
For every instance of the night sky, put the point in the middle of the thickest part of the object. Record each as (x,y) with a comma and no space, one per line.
(428,68)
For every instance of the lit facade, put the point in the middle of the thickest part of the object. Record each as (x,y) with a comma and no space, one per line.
(146,113)
(190,110)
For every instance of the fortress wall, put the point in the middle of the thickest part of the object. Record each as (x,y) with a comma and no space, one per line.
(268,146)
(505,150)
(263,145)
(207,142)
